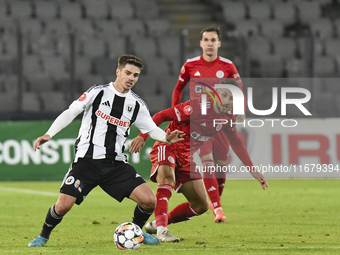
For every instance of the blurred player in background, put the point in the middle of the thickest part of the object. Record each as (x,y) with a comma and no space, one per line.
(110,110)
(173,165)
(215,151)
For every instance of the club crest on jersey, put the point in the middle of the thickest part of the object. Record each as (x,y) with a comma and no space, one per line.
(112,120)
(220,74)
(129,108)
(171,159)
(69,180)
(187,110)
(218,127)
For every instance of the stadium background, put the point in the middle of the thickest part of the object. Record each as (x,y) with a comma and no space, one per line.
(52,51)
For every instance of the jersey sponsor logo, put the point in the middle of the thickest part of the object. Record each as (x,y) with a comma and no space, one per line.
(82,97)
(219,74)
(199,137)
(187,109)
(112,120)
(178,114)
(197,74)
(171,159)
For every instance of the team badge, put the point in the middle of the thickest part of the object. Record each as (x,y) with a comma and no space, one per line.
(171,159)
(69,180)
(77,184)
(129,108)
(218,127)
(220,74)
(187,109)
(82,97)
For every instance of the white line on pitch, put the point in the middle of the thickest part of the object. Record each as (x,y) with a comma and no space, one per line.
(29,191)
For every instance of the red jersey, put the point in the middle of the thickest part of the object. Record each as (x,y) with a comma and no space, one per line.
(197,67)
(198,128)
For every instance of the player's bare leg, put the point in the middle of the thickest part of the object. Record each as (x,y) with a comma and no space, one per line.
(195,193)
(197,204)
(53,218)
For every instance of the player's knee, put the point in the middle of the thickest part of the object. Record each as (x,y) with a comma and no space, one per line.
(166,175)
(221,162)
(169,180)
(201,208)
(61,208)
(149,203)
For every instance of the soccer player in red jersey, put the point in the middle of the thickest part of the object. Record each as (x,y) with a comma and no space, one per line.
(215,151)
(173,165)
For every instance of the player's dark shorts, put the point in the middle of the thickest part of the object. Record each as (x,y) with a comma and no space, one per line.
(116,178)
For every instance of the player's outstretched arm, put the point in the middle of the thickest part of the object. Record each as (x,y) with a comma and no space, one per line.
(136,144)
(41,140)
(240,118)
(171,137)
(174,136)
(64,119)
(258,176)
(241,151)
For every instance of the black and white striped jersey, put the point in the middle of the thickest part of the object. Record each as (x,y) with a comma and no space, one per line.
(107,119)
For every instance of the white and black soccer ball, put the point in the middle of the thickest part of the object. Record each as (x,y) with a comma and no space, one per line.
(128,236)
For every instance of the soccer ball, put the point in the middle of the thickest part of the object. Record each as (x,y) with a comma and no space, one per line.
(128,236)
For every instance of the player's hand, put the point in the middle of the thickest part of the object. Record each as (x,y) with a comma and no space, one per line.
(175,136)
(260,178)
(136,144)
(41,140)
(240,118)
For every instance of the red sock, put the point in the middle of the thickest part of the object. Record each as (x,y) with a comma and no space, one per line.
(181,212)
(221,182)
(211,185)
(163,195)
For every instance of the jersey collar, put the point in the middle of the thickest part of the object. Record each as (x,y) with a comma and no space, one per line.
(117,92)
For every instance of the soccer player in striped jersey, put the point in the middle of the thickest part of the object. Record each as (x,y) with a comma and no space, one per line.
(210,65)
(173,166)
(109,112)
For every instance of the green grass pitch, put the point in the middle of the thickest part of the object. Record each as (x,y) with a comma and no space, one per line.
(291,217)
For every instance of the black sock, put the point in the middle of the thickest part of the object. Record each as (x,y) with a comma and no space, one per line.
(141,216)
(52,220)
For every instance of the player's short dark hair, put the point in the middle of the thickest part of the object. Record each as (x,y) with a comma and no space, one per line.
(129,59)
(212,29)
(230,81)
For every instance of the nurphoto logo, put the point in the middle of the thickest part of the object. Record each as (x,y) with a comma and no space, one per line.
(239,102)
